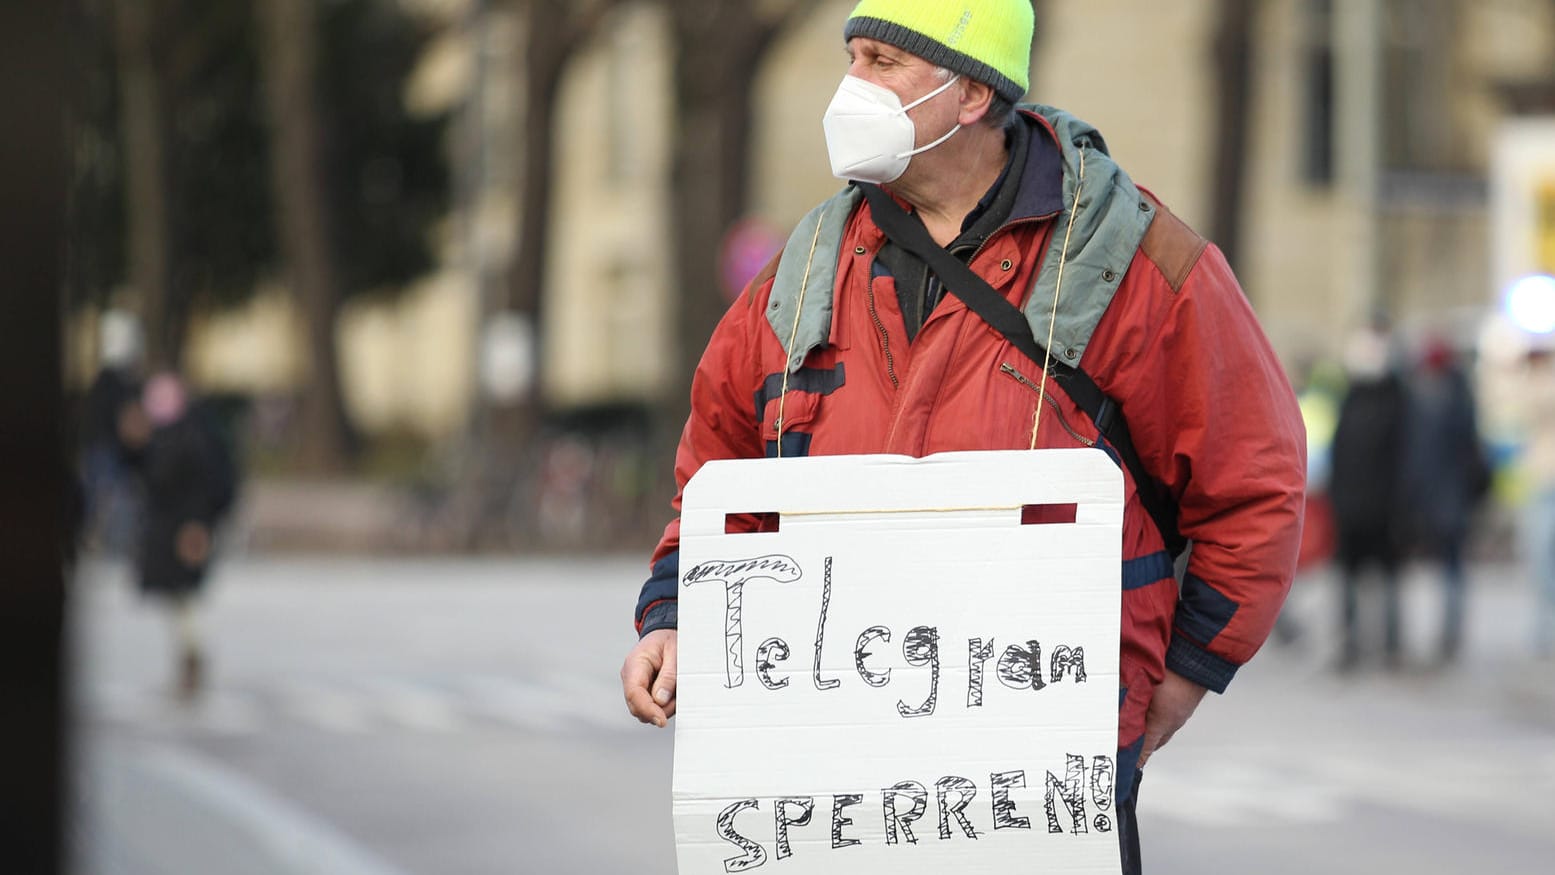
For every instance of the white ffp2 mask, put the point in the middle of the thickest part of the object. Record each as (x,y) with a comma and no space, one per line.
(868,134)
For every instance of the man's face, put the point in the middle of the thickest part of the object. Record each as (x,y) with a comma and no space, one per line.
(909,77)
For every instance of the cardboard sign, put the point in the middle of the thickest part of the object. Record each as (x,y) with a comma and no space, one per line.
(918,672)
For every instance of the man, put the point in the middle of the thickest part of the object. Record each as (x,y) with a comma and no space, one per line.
(849,343)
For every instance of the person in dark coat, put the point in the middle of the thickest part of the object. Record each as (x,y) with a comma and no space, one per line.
(190,482)
(1445,476)
(1365,487)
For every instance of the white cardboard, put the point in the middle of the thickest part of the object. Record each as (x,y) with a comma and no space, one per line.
(895,543)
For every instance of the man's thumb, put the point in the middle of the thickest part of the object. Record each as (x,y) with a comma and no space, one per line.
(664,685)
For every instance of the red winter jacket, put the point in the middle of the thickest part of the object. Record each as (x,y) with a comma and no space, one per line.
(1211,413)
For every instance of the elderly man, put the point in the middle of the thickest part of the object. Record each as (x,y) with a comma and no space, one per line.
(914,312)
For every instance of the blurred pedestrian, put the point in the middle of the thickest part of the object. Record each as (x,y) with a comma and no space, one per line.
(1446,473)
(1365,487)
(190,483)
(1539,522)
(1321,385)
(109,420)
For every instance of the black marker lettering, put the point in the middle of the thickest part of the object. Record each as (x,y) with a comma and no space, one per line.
(838,821)
(861,653)
(785,820)
(894,817)
(965,791)
(1071,660)
(771,651)
(1103,780)
(754,854)
(977,653)
(1072,791)
(921,647)
(1020,668)
(734,575)
(1003,808)
(820,632)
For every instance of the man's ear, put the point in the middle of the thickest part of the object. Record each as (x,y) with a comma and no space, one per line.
(975,99)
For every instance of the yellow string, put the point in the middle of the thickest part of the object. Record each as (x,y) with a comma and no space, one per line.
(900,510)
(1063,258)
(788,351)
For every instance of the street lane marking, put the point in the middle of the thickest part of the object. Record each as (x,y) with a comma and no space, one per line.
(303,843)
(325,707)
(373,703)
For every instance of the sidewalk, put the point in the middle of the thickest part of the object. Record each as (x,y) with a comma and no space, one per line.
(1496,668)
(354,517)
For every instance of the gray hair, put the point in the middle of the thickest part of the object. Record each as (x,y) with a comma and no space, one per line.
(1001,112)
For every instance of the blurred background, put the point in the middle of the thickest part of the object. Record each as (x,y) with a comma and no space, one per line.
(400,300)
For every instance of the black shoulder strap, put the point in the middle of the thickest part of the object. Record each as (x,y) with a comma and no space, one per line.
(1008,320)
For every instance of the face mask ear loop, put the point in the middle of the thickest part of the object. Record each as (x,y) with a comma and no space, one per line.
(931,95)
(915,104)
(793,335)
(1063,257)
(921,149)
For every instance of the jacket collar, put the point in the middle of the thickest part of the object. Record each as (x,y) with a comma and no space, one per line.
(1041,191)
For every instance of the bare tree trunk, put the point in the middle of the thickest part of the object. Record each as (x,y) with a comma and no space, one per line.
(290,33)
(506,455)
(554,32)
(719,47)
(708,195)
(147,211)
(1233,72)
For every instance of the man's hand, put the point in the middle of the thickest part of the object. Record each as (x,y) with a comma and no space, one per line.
(648,678)
(193,544)
(1174,702)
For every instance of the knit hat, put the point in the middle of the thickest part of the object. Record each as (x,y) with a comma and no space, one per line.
(985,40)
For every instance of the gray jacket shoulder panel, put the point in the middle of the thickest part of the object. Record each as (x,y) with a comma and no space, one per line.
(807,276)
(1109,223)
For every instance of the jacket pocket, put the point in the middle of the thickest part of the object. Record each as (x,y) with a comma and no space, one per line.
(788,422)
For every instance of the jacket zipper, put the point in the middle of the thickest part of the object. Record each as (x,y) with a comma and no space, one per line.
(885,338)
(984,245)
(1052,402)
(1006,227)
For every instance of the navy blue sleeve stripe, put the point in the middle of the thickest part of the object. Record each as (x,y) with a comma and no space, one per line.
(1199,665)
(796,445)
(662,615)
(1203,612)
(816,380)
(1146,570)
(663,584)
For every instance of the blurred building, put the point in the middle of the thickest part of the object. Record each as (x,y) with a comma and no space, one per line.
(1370,130)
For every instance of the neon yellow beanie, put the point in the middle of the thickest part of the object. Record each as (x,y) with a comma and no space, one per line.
(985,40)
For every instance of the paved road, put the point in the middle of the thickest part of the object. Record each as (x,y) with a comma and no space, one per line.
(462,718)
